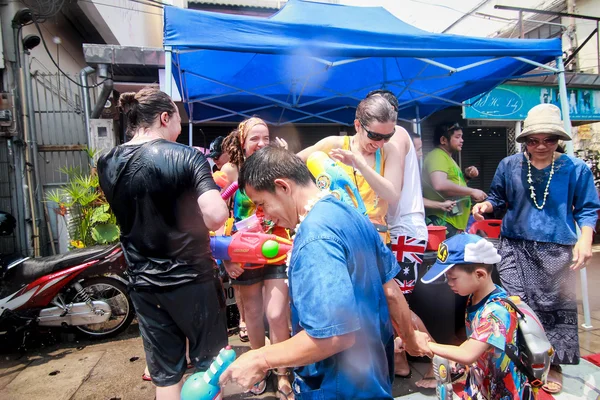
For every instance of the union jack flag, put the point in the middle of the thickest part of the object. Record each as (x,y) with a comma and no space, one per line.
(407,249)
(407,286)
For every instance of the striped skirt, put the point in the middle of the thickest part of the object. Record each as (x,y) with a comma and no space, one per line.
(539,273)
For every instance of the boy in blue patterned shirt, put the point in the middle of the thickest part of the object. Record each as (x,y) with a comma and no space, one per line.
(467,260)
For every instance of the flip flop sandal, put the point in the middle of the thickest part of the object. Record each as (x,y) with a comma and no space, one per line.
(457,373)
(146,378)
(552,387)
(243,335)
(286,396)
(261,386)
(284,391)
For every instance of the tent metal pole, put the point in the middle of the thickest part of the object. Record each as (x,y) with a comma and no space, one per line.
(564,105)
(418,119)
(438,64)
(168,71)
(191,124)
(518,129)
(477,64)
(537,64)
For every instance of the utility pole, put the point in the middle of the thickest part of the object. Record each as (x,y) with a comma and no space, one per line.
(572,32)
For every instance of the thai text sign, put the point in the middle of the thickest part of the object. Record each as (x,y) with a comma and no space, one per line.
(512,102)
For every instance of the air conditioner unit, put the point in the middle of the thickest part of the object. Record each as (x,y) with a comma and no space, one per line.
(102,136)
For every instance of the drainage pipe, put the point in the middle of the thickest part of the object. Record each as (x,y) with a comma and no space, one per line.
(104,93)
(85,96)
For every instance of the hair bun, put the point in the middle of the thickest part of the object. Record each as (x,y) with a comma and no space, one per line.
(127,101)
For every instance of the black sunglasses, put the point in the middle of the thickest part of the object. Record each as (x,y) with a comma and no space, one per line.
(454,127)
(377,136)
(535,142)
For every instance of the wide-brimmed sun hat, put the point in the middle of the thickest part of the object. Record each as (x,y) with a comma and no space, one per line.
(543,118)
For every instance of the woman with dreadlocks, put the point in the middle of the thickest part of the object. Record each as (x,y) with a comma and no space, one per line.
(263,290)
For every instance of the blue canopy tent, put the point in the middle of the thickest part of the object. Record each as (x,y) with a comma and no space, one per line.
(313,62)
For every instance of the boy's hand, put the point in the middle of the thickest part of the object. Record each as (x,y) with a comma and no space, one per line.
(417,345)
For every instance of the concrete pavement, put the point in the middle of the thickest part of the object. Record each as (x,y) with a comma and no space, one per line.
(111,370)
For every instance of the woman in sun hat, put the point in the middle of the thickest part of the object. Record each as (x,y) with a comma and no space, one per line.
(546,194)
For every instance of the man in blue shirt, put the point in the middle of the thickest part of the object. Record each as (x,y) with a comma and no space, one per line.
(345,304)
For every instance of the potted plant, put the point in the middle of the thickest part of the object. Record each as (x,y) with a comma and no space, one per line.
(82,204)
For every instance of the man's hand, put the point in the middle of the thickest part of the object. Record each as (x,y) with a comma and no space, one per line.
(478,195)
(471,172)
(480,209)
(447,205)
(582,251)
(417,345)
(249,369)
(233,269)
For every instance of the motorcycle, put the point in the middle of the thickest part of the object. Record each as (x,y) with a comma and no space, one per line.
(83,288)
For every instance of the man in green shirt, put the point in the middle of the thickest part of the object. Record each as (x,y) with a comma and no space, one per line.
(443,180)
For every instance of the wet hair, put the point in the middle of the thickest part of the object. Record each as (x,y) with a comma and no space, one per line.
(386,94)
(470,268)
(141,109)
(446,130)
(269,163)
(234,142)
(375,108)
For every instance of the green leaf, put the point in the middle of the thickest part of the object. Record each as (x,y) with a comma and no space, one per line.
(55,196)
(100,214)
(105,233)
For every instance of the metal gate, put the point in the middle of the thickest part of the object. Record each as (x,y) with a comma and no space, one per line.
(61,137)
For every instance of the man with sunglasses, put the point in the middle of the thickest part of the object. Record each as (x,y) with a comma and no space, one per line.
(373,163)
(444,180)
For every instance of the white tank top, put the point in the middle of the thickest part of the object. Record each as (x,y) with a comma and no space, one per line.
(407,217)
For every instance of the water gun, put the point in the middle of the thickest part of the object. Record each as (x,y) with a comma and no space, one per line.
(330,176)
(441,371)
(231,189)
(205,385)
(222,182)
(220,179)
(247,247)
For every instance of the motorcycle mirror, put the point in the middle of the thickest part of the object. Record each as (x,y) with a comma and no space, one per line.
(7,224)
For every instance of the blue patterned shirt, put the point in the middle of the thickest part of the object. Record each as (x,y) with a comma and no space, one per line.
(493,376)
(572,198)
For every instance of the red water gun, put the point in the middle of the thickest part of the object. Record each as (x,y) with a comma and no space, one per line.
(247,247)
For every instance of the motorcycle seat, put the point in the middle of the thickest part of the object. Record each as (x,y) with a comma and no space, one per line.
(35,268)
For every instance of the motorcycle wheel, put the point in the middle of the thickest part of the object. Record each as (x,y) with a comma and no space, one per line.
(115,294)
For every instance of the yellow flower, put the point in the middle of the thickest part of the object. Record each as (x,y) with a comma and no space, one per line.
(77,244)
